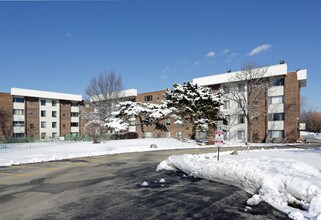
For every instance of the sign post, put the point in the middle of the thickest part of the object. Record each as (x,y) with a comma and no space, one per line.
(219,137)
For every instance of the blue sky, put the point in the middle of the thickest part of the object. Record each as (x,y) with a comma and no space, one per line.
(59,46)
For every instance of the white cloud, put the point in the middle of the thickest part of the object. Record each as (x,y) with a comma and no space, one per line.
(210,54)
(68,34)
(259,49)
(230,58)
(165,70)
(163,76)
(196,63)
(225,51)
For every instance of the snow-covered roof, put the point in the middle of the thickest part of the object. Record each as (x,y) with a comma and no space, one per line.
(302,77)
(122,94)
(45,94)
(275,70)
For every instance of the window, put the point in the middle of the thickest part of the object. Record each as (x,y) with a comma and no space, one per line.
(18,135)
(202,134)
(277,99)
(74,114)
(148,134)
(54,124)
(74,104)
(241,87)
(226,89)
(241,135)
(53,103)
(87,105)
(19,100)
(178,134)
(18,111)
(31,126)
(18,124)
(168,121)
(43,102)
(74,124)
(276,117)
(278,82)
(64,126)
(54,114)
(241,119)
(43,113)
(168,134)
(148,98)
(54,134)
(132,121)
(43,124)
(226,104)
(43,135)
(276,134)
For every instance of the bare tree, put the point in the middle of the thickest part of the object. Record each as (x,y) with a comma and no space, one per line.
(313,121)
(247,90)
(104,91)
(4,125)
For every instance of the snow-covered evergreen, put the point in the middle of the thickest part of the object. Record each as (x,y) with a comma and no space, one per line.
(194,105)
(145,113)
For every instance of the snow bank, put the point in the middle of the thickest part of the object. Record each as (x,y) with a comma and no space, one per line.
(40,152)
(278,182)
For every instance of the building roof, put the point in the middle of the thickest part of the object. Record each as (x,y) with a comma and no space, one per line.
(276,70)
(122,94)
(45,94)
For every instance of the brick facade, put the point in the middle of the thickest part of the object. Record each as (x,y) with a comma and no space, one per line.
(157,97)
(65,120)
(291,107)
(6,116)
(258,120)
(32,117)
(172,128)
(85,107)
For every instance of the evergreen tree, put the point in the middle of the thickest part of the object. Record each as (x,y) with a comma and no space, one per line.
(194,105)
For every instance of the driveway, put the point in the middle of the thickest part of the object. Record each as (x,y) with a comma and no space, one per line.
(109,187)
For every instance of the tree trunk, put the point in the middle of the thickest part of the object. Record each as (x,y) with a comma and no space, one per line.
(248,137)
(142,127)
(193,132)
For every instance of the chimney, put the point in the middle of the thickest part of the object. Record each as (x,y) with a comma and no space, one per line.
(282,62)
(229,70)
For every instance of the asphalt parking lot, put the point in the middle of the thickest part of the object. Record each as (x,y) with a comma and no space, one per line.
(109,187)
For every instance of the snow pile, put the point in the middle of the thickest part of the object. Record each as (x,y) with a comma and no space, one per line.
(279,182)
(39,152)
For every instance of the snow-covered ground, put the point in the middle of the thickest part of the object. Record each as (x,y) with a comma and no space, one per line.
(39,152)
(310,134)
(279,177)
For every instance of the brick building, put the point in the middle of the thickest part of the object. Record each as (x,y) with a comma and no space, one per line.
(45,115)
(35,114)
(173,130)
(278,112)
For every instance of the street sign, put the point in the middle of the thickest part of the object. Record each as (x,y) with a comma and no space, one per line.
(220,125)
(219,137)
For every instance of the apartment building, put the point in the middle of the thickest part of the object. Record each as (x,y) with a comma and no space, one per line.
(276,117)
(173,130)
(38,114)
